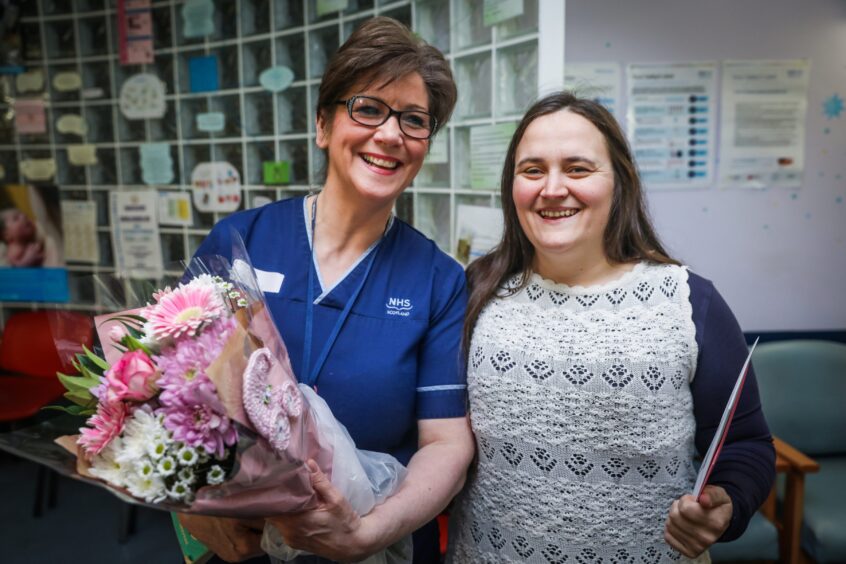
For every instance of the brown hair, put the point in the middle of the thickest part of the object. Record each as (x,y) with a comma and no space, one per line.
(382,50)
(629,235)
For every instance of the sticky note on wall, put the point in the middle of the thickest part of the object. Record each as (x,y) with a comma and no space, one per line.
(211,121)
(156,163)
(203,74)
(197,18)
(67,81)
(38,169)
(277,172)
(31,81)
(276,79)
(82,155)
(30,116)
(72,123)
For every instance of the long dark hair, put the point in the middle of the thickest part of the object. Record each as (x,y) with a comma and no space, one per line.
(629,235)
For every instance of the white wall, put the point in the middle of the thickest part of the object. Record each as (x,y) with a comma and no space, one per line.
(777,256)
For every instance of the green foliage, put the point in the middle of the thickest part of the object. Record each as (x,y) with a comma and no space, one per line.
(90,368)
(134,344)
(77,410)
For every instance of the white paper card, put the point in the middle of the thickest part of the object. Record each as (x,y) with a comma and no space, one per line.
(79,227)
(488,144)
(269,282)
(717,442)
(142,96)
(175,209)
(135,234)
(762,140)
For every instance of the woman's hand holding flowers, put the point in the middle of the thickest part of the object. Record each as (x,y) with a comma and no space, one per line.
(332,530)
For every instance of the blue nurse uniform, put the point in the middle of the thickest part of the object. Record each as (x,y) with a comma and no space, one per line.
(397,358)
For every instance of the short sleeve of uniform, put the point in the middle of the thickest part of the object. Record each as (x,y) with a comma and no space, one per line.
(219,240)
(441,377)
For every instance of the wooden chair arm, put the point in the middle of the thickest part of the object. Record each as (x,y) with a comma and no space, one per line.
(796,461)
(795,465)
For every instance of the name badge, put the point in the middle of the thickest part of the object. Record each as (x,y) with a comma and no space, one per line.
(269,282)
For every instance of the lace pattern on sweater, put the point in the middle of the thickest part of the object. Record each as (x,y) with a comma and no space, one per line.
(581,405)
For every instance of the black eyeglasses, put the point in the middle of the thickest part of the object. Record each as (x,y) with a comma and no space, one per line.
(373,112)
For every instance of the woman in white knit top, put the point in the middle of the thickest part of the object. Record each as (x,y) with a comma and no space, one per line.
(596,366)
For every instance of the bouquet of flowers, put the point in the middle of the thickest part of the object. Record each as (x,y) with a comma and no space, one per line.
(193,407)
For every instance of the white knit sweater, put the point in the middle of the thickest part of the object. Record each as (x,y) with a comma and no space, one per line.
(581,405)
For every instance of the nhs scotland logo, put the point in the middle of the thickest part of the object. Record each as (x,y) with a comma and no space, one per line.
(398,306)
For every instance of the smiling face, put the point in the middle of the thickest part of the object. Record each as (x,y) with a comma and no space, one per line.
(563,190)
(375,163)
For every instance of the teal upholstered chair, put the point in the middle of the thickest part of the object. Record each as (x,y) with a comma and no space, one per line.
(773,532)
(803,392)
(801,383)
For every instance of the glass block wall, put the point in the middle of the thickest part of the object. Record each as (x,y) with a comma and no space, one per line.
(495,68)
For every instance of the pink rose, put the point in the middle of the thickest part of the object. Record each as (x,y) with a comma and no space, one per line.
(132,378)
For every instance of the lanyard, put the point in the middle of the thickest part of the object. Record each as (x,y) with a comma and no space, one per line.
(312,375)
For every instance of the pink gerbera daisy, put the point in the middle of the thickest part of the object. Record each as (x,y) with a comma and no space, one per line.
(105,425)
(185,310)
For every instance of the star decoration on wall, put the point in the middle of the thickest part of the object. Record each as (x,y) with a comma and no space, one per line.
(833,107)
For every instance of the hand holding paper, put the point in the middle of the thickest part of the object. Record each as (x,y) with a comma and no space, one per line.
(692,526)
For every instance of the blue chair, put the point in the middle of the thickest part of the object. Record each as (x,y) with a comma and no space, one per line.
(803,390)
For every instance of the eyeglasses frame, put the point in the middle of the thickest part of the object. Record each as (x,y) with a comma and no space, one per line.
(391,112)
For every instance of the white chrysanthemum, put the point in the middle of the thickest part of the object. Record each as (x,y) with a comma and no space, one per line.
(215,475)
(157,449)
(186,475)
(106,467)
(187,456)
(140,435)
(145,468)
(179,491)
(166,466)
(152,489)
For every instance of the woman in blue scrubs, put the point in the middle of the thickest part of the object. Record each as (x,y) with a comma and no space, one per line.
(370,309)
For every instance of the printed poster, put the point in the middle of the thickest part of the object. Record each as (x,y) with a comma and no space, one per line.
(79,223)
(763,123)
(135,32)
(32,262)
(488,145)
(671,123)
(601,82)
(135,234)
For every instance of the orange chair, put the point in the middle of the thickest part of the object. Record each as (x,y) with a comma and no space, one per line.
(35,345)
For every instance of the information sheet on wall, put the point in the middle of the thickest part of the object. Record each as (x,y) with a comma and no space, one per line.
(79,223)
(488,144)
(671,117)
(599,81)
(763,123)
(135,237)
